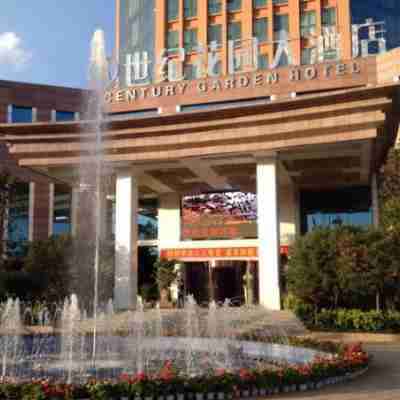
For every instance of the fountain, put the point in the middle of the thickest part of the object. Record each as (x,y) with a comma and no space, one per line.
(96,343)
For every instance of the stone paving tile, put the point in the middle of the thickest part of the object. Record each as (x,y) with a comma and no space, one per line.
(381,382)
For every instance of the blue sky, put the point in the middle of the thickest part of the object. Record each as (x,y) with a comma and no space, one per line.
(48,41)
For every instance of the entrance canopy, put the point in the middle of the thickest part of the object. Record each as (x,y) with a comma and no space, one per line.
(335,138)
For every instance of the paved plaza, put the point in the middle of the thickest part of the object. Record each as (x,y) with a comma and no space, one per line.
(381,382)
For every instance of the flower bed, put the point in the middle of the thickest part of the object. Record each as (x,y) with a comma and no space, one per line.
(346,363)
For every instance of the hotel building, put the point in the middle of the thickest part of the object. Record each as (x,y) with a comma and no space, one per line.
(233,126)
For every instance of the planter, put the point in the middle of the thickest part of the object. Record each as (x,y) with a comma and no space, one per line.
(180,396)
(149,398)
(220,396)
(199,396)
(160,398)
(210,396)
(303,387)
(254,392)
(245,393)
(262,392)
(170,397)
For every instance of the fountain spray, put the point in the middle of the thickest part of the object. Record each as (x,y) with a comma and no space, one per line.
(98,79)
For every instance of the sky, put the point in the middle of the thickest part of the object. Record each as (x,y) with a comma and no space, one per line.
(48,41)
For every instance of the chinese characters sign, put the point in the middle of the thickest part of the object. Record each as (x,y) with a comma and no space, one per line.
(228,215)
(243,55)
(215,253)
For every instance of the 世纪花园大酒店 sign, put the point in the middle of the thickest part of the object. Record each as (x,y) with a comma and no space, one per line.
(269,78)
(136,83)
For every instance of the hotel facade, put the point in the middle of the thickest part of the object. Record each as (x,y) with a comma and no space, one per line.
(233,127)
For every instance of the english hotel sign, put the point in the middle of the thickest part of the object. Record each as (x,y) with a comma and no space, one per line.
(243,66)
(252,80)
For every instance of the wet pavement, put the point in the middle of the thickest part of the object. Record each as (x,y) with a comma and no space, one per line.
(381,381)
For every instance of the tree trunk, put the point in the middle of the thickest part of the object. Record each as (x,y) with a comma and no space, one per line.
(378,301)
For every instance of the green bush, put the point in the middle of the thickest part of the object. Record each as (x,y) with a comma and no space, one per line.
(357,320)
(17,284)
(346,267)
(302,310)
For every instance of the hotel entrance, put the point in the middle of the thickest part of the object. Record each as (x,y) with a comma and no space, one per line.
(220,280)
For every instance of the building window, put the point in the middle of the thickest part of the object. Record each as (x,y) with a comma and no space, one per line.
(216,69)
(190,40)
(329,16)
(21,114)
(148,219)
(260,29)
(281,27)
(214,6)
(235,31)
(65,116)
(191,72)
(283,59)
(259,3)
(215,34)
(172,9)
(308,23)
(234,5)
(62,210)
(349,206)
(306,54)
(18,223)
(263,61)
(173,40)
(190,8)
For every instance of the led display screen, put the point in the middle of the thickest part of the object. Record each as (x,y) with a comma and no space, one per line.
(225,215)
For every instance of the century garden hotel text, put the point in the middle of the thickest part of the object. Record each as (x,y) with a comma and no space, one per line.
(234,126)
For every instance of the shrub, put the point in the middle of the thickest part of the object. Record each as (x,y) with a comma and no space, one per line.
(313,266)
(47,266)
(303,310)
(326,265)
(357,320)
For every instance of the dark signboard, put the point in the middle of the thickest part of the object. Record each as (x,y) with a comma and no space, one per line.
(226,215)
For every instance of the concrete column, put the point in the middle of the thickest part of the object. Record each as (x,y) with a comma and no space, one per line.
(375,200)
(268,233)
(51,209)
(169,220)
(74,210)
(31,214)
(126,237)
(39,213)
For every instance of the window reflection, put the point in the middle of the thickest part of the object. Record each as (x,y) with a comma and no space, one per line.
(348,206)
(147,219)
(380,10)
(62,210)
(18,222)
(21,114)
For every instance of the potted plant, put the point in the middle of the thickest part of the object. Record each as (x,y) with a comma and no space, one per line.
(165,275)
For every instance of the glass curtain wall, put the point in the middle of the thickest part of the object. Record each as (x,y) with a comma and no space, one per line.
(380,10)
(137,33)
(18,222)
(347,206)
(62,210)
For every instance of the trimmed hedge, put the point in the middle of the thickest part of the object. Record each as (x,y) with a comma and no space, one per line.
(354,320)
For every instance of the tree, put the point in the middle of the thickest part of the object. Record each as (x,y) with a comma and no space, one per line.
(8,193)
(312,268)
(47,266)
(389,192)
